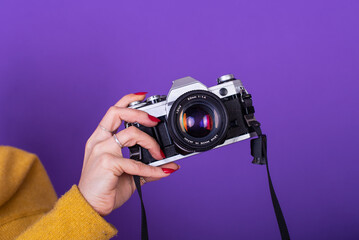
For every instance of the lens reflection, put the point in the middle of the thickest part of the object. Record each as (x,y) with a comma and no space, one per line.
(197,121)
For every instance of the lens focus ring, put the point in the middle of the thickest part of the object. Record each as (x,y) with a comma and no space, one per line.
(198,121)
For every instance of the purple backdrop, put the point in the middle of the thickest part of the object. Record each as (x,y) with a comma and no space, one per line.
(63,63)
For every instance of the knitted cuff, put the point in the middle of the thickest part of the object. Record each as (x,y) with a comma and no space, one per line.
(71,218)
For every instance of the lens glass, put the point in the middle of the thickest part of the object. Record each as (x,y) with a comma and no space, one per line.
(197,120)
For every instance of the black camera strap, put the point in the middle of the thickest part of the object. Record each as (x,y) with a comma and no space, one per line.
(144,229)
(259,152)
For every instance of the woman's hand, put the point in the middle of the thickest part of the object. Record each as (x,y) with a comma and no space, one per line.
(106,179)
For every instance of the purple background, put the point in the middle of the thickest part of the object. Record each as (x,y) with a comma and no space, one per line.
(63,63)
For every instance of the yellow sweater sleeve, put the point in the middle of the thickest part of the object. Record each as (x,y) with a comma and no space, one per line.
(71,218)
(28,207)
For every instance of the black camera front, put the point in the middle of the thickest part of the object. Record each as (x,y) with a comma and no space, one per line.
(197,121)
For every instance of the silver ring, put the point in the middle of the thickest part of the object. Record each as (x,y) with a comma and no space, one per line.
(106,130)
(142,180)
(117,141)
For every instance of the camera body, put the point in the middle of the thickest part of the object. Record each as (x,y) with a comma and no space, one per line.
(195,118)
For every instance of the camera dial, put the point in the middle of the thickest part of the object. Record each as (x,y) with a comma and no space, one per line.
(134,103)
(225,78)
(155,99)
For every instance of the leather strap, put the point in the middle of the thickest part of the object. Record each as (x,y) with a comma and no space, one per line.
(259,152)
(144,229)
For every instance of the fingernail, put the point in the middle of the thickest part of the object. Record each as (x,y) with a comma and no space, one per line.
(153,119)
(168,170)
(162,154)
(140,93)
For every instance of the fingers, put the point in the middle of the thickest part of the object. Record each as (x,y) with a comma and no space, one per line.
(132,167)
(110,120)
(126,100)
(172,165)
(115,115)
(113,119)
(130,137)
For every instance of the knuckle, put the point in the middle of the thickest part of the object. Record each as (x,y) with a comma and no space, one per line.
(134,131)
(137,167)
(112,109)
(97,149)
(152,145)
(132,128)
(105,160)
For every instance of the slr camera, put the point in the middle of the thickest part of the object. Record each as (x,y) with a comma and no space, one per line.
(195,118)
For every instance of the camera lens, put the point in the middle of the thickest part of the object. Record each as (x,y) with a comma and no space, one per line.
(197,121)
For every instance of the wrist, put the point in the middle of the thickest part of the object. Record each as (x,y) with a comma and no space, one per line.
(94,201)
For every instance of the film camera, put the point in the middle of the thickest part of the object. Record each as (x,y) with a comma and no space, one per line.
(195,118)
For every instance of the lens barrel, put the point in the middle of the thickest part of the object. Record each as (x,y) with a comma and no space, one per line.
(198,121)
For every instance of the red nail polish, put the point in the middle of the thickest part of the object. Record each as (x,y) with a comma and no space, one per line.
(162,154)
(154,119)
(168,170)
(140,93)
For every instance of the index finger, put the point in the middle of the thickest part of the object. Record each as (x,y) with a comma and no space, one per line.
(127,99)
(133,167)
